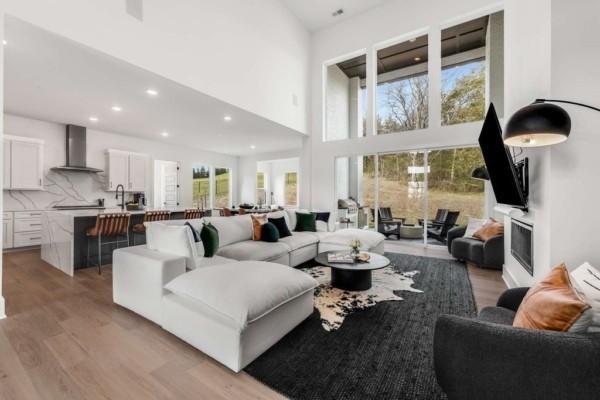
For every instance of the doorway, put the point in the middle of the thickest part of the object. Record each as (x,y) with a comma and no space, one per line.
(166,184)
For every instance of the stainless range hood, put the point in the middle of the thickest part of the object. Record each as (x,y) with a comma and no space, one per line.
(76,151)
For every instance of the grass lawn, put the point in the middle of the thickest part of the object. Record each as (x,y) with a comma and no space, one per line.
(201,188)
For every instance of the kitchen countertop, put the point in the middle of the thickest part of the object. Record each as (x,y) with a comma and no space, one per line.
(93,213)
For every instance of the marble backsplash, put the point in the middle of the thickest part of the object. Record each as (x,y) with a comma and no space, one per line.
(61,188)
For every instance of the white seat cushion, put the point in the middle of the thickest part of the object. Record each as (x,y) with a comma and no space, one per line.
(232,229)
(214,260)
(586,281)
(343,237)
(299,240)
(258,288)
(253,250)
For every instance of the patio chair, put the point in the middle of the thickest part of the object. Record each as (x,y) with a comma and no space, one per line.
(387,224)
(440,216)
(440,232)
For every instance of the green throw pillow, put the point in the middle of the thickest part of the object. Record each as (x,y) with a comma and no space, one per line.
(210,239)
(269,233)
(306,222)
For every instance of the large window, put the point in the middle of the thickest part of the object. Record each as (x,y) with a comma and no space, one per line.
(346,99)
(260,188)
(414,185)
(222,187)
(201,187)
(472,69)
(403,87)
(355,180)
(211,187)
(291,189)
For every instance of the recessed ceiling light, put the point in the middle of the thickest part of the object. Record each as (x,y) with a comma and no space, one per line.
(227,118)
(151,92)
(4,42)
(93,119)
(252,146)
(116,108)
(164,134)
(417,58)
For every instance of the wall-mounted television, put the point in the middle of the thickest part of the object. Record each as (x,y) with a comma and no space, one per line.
(509,179)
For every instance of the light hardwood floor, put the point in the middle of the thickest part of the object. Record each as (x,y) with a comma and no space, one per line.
(65,339)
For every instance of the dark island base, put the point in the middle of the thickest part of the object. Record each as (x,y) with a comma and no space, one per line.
(81,241)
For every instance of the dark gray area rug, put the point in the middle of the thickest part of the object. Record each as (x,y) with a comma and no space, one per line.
(382,352)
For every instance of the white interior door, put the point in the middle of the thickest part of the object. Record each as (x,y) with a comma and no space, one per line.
(166,184)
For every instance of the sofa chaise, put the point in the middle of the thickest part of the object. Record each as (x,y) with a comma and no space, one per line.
(233,329)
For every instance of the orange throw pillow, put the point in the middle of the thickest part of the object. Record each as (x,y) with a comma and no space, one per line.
(552,304)
(490,229)
(257,222)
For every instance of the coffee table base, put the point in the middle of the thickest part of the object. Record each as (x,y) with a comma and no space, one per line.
(350,280)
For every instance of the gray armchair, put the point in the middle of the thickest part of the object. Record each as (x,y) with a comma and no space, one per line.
(487,359)
(488,254)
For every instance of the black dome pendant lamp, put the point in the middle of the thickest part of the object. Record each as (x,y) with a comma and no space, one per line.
(540,124)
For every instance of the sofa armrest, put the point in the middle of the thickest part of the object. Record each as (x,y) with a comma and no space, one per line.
(139,277)
(481,360)
(453,233)
(493,252)
(512,298)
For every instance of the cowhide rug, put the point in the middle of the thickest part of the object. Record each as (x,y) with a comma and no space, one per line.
(335,304)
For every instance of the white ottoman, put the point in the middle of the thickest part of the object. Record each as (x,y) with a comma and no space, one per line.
(340,240)
(234,312)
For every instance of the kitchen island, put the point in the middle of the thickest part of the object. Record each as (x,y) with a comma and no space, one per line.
(64,242)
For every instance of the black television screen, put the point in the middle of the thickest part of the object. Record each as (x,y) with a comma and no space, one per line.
(499,163)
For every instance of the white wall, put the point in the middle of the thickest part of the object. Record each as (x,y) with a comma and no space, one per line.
(253,54)
(338,104)
(248,168)
(2,314)
(70,188)
(574,169)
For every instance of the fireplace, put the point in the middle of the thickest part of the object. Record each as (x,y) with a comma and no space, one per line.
(521,244)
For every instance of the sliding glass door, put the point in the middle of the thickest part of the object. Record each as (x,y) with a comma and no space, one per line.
(410,189)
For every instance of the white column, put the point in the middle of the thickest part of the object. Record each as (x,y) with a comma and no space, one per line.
(434,66)
(494,59)
(2,314)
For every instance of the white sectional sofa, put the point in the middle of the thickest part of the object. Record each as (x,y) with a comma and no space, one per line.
(147,279)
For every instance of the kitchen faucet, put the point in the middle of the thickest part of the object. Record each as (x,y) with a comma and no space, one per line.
(122,196)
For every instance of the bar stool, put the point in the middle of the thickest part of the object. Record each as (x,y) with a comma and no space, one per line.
(226,212)
(193,213)
(150,216)
(109,225)
(242,211)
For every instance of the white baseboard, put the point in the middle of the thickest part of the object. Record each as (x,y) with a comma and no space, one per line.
(508,278)
(2,314)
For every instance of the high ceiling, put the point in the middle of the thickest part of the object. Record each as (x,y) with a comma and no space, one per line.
(317,14)
(51,78)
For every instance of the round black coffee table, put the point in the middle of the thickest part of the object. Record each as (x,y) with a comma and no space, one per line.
(353,276)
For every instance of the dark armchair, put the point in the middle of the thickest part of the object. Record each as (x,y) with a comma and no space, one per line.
(488,254)
(486,358)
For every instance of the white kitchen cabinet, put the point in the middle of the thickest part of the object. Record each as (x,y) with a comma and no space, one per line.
(127,169)
(7,230)
(25,163)
(27,228)
(137,172)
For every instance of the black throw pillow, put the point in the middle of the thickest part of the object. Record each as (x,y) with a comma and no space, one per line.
(322,216)
(195,233)
(269,233)
(281,226)
(306,222)
(210,239)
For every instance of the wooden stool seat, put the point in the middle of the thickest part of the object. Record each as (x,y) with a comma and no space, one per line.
(150,216)
(193,213)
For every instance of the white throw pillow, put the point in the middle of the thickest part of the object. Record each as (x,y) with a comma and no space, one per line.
(473,226)
(176,240)
(586,281)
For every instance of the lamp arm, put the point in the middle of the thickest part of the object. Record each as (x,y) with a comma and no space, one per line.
(566,102)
